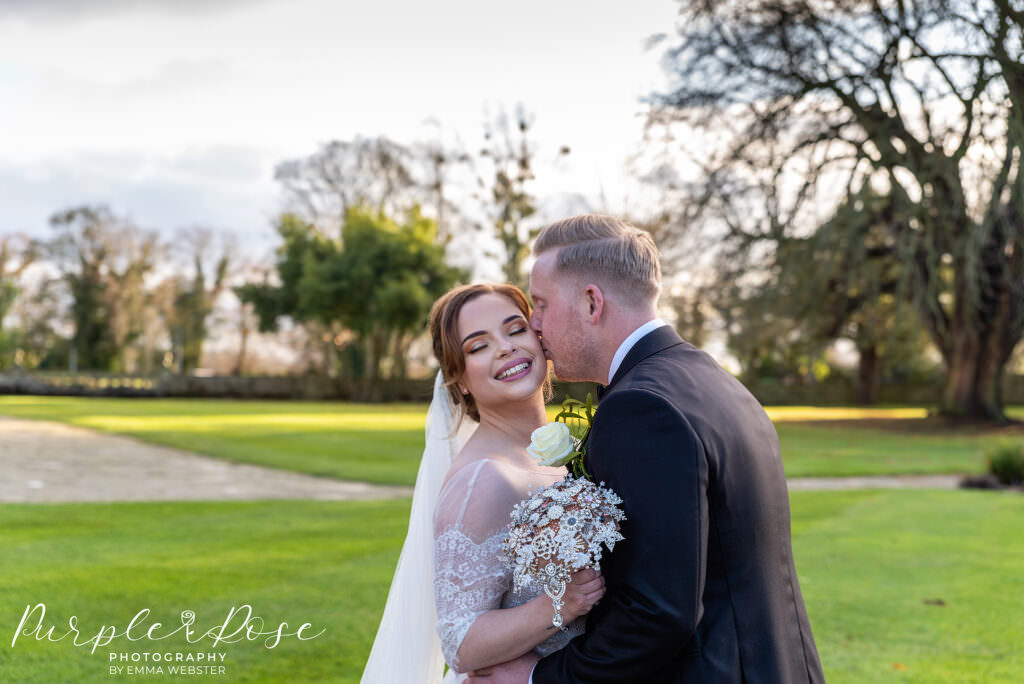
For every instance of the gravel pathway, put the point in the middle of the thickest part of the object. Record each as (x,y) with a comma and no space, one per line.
(797,484)
(44,462)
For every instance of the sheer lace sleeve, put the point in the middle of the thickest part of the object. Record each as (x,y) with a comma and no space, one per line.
(470,576)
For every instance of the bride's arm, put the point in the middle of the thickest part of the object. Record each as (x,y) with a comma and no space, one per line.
(504,634)
(470,576)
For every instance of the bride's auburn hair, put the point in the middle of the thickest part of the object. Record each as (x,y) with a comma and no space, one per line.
(444,330)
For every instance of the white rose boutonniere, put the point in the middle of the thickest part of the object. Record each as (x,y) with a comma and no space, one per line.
(552,445)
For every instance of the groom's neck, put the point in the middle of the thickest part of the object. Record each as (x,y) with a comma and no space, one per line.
(618,327)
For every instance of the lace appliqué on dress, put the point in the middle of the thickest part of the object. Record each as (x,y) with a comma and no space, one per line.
(472,579)
(470,574)
(469,580)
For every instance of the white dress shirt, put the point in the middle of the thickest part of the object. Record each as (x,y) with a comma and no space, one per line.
(629,343)
(620,355)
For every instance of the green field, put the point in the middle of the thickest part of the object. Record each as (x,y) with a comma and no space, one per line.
(873,566)
(382,443)
(912,586)
(325,563)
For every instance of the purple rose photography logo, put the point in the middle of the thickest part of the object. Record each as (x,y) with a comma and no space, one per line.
(240,624)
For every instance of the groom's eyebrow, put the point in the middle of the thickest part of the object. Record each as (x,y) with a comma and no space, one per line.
(478,333)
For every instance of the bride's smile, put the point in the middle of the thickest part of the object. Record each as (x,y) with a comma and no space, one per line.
(514,370)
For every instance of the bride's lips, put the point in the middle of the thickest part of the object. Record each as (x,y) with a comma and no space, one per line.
(513,364)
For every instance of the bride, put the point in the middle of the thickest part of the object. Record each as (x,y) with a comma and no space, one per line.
(493,372)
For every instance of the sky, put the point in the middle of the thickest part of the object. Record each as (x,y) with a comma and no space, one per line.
(175,112)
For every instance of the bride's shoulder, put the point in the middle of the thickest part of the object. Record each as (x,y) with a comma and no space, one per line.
(480,466)
(474,470)
(478,491)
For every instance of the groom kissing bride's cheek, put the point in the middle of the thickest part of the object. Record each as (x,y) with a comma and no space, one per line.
(703,588)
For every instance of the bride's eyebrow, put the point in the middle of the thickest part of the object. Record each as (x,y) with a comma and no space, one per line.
(478,333)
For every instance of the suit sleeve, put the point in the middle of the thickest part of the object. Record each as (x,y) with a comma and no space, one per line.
(648,453)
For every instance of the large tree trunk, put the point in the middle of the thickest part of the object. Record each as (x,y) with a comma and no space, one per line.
(973,381)
(973,390)
(869,373)
(981,333)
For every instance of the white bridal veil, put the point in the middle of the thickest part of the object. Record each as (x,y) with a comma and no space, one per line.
(407,648)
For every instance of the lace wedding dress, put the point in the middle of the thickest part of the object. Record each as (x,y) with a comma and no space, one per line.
(457,525)
(470,574)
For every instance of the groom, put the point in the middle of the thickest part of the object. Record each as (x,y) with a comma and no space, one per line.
(703,589)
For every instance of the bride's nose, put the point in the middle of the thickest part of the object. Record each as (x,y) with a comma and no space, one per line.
(507,348)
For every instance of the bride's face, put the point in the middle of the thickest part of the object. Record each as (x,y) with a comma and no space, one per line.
(504,359)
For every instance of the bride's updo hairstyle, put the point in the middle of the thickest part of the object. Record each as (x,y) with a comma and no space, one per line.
(444,329)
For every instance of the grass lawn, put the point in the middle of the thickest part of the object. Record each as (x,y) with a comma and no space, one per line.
(326,563)
(382,443)
(846,448)
(873,566)
(913,586)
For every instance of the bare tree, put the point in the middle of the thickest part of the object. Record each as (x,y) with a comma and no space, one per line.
(104,260)
(374,172)
(17,253)
(190,295)
(244,318)
(505,171)
(437,162)
(802,103)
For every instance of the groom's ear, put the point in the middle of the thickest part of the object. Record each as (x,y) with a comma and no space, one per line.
(593,302)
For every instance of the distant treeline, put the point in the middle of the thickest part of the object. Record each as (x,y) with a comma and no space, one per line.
(834,392)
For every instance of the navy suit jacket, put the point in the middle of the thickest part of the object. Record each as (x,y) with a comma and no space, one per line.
(703,588)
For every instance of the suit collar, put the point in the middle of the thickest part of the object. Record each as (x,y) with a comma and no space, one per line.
(631,340)
(653,342)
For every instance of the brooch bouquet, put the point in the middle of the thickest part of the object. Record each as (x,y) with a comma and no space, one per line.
(560,528)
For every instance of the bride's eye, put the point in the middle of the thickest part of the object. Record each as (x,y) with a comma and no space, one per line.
(519,331)
(477,348)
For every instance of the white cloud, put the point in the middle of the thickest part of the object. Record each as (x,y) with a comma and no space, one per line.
(174,109)
(223,188)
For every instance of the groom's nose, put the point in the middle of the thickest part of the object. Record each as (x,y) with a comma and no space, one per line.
(535,322)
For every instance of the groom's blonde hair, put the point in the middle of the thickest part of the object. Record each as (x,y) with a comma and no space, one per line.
(619,256)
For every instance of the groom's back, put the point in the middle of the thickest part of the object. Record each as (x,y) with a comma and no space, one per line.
(754,626)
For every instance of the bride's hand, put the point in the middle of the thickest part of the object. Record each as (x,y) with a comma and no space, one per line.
(585,589)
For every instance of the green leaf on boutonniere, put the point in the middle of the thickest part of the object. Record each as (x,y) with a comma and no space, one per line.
(578,416)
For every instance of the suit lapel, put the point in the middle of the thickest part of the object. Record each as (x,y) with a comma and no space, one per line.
(653,342)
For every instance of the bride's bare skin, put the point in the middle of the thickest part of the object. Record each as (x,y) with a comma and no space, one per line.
(505,370)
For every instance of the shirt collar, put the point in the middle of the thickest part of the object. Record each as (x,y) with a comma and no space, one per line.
(629,342)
